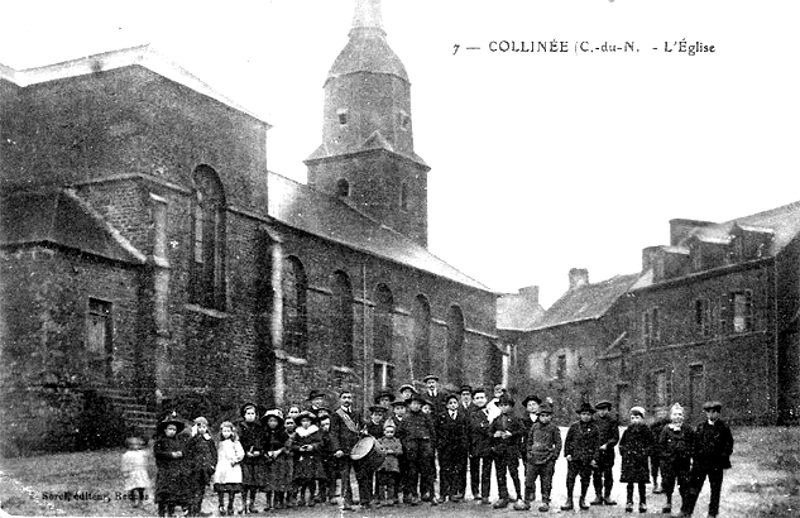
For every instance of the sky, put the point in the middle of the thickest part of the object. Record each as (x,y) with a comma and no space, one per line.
(540,162)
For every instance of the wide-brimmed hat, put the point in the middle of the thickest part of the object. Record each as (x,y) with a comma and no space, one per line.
(375,409)
(399,402)
(712,405)
(277,413)
(586,407)
(305,414)
(546,408)
(604,404)
(407,386)
(315,394)
(384,393)
(527,399)
(171,418)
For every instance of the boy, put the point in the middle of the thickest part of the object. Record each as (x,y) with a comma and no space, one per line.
(608,428)
(506,430)
(480,448)
(418,443)
(661,420)
(543,448)
(531,405)
(327,487)
(377,416)
(201,455)
(675,447)
(389,472)
(581,450)
(635,447)
(452,435)
(712,455)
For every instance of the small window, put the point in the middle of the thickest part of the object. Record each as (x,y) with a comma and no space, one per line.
(650,327)
(662,388)
(404,196)
(383,375)
(562,367)
(98,327)
(742,303)
(703,318)
(342,117)
(342,188)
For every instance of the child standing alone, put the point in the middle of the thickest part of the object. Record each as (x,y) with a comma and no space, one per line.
(134,469)
(635,447)
(228,474)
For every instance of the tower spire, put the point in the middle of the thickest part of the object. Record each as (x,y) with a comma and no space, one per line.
(367,16)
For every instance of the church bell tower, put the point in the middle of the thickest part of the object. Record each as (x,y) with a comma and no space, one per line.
(367,154)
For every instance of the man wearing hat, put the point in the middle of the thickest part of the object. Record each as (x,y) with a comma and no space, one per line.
(434,394)
(581,448)
(316,400)
(608,429)
(466,398)
(346,426)
(712,455)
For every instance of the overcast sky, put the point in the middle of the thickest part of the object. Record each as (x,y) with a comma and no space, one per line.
(540,162)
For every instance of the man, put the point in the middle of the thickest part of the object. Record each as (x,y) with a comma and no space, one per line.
(316,400)
(346,429)
(384,398)
(434,394)
(480,447)
(608,429)
(452,444)
(466,398)
(712,455)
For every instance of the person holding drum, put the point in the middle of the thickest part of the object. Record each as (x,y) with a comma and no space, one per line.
(347,427)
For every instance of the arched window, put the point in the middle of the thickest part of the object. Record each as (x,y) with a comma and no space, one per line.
(342,320)
(383,333)
(421,366)
(455,345)
(342,188)
(208,238)
(404,195)
(294,307)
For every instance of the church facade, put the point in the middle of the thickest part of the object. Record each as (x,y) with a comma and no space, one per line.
(150,257)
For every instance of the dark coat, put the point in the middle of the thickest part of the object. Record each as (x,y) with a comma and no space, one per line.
(507,447)
(251,436)
(375,430)
(172,484)
(656,427)
(527,423)
(417,425)
(452,433)
(480,439)
(543,443)
(636,446)
(583,442)
(342,438)
(201,454)
(675,447)
(308,464)
(439,401)
(713,445)
(608,429)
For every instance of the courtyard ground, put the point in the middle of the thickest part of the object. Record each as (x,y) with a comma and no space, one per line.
(764,482)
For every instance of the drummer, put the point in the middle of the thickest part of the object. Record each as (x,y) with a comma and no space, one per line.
(346,427)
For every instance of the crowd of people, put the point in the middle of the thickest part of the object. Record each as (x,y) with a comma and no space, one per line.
(305,456)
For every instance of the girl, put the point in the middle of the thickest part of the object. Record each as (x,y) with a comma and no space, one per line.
(635,447)
(134,469)
(278,466)
(675,448)
(307,461)
(250,436)
(289,425)
(228,474)
(171,477)
(293,412)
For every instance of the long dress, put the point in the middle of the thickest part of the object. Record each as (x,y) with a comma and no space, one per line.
(278,462)
(171,479)
(228,473)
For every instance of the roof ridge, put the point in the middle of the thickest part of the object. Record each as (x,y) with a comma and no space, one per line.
(795,205)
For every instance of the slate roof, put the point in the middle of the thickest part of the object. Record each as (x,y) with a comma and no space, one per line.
(367,51)
(516,312)
(587,302)
(374,142)
(61,218)
(305,208)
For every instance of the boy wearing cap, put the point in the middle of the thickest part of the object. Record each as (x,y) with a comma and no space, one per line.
(506,430)
(608,429)
(388,475)
(635,447)
(712,455)
(531,405)
(452,435)
(543,446)
(201,456)
(480,447)
(418,438)
(581,449)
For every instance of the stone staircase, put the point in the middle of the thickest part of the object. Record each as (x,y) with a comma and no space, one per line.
(132,409)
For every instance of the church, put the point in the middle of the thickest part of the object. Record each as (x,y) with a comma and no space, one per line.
(149,257)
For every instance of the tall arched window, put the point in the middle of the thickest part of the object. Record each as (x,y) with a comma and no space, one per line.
(421,366)
(208,240)
(455,345)
(342,188)
(294,285)
(383,333)
(342,320)
(404,195)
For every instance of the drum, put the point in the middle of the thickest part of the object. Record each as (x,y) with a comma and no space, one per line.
(367,454)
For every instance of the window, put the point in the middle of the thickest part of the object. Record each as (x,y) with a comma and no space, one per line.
(651,332)
(662,388)
(561,372)
(383,375)
(383,336)
(742,303)
(208,229)
(342,188)
(342,114)
(342,320)
(455,345)
(703,318)
(404,195)
(404,120)
(294,286)
(422,337)
(99,328)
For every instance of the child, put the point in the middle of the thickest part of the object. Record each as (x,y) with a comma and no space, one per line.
(290,426)
(228,473)
(452,442)
(675,447)
(712,455)
(134,470)
(608,428)
(418,437)
(389,471)
(661,420)
(543,448)
(201,455)
(292,412)
(307,462)
(171,478)
(480,448)
(635,447)
(377,415)
(581,449)
(506,430)
(278,463)
(250,436)
(327,488)
(531,404)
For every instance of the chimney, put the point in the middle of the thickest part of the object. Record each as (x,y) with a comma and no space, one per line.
(530,293)
(578,277)
(649,257)
(679,229)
